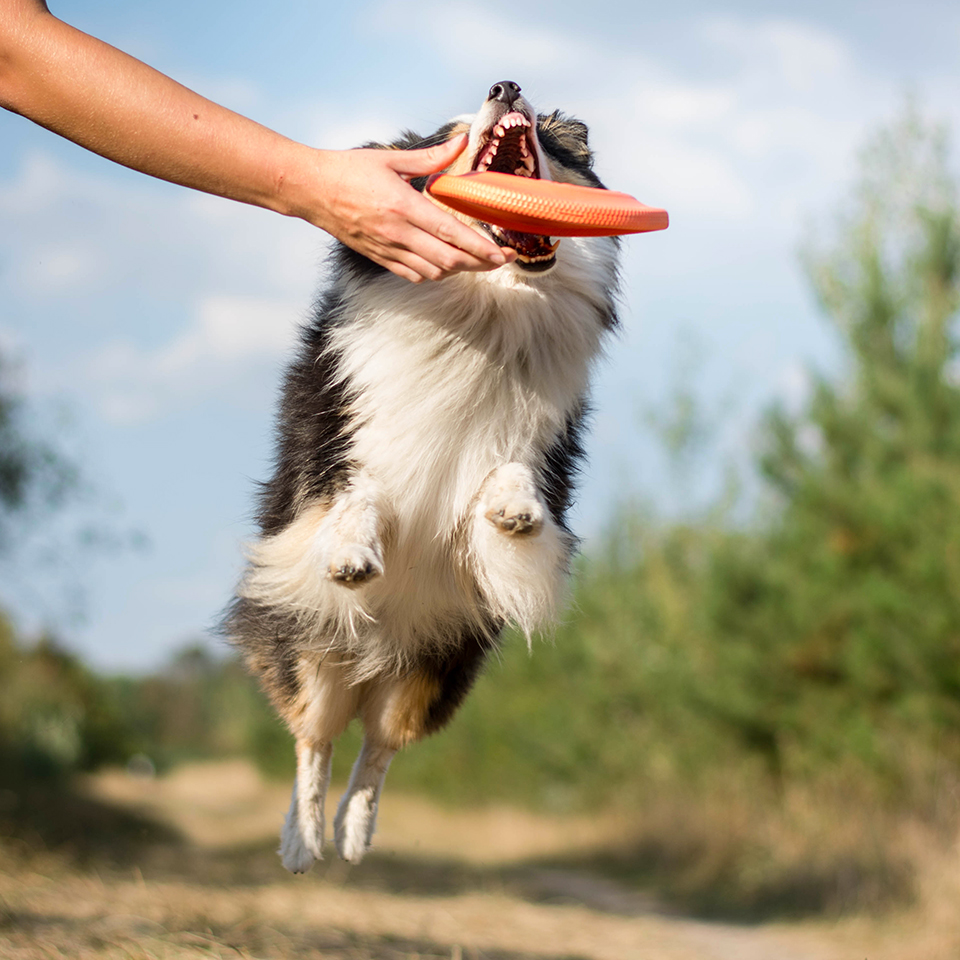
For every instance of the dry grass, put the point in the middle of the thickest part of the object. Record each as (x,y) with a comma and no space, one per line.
(496,884)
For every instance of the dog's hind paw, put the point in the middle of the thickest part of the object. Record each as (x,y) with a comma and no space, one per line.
(301,839)
(355,823)
(355,565)
(293,851)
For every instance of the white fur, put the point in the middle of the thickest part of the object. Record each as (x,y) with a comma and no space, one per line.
(293,847)
(350,533)
(356,817)
(523,575)
(301,840)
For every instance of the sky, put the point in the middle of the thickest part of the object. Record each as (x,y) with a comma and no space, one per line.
(149,325)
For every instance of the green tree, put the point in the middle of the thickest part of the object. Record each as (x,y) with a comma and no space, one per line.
(837,625)
(35,478)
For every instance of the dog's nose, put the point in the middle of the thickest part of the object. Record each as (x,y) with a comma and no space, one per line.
(506,91)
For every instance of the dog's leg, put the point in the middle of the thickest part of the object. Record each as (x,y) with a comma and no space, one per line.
(323,706)
(517,552)
(301,840)
(348,539)
(357,813)
(395,711)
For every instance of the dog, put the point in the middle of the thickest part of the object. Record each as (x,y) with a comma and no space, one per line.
(429,438)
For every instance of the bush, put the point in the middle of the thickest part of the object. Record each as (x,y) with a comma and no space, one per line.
(56,717)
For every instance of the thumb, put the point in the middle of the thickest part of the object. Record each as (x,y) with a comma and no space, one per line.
(418,163)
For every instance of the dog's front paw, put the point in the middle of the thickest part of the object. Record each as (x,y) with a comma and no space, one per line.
(518,517)
(355,565)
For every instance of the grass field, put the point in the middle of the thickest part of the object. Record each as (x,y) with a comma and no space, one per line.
(183,866)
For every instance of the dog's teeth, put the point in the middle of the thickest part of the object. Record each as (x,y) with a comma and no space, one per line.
(499,130)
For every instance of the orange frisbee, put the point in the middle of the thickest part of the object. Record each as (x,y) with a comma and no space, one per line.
(529,205)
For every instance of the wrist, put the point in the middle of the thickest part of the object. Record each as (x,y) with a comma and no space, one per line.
(295,182)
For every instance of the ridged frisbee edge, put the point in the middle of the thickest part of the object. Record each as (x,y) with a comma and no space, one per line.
(546,206)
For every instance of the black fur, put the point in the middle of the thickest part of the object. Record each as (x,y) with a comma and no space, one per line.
(311,458)
(457,671)
(268,639)
(562,465)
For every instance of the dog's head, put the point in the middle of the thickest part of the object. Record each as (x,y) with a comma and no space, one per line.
(507,136)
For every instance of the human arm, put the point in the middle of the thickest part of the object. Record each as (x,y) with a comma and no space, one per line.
(117,106)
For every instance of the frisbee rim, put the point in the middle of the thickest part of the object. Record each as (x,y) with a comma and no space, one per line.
(572,209)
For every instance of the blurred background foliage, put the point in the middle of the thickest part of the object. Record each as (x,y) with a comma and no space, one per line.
(801,654)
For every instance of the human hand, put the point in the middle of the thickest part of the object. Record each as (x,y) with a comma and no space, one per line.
(370,207)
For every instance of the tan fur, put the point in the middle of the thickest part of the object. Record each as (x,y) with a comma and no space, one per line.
(395,711)
(326,701)
(278,560)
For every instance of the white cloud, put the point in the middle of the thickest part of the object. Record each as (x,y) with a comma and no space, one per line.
(229,336)
(61,267)
(472,40)
(801,56)
(142,297)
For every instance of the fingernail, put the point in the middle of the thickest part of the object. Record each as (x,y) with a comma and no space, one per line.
(498,258)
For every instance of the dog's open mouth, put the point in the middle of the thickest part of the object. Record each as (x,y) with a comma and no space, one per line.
(507,149)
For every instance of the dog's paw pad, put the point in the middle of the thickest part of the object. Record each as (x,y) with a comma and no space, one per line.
(517,519)
(353,568)
(349,573)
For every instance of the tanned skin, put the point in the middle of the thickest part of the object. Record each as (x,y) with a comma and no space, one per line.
(117,106)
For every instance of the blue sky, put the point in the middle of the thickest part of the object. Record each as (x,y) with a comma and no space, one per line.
(155,321)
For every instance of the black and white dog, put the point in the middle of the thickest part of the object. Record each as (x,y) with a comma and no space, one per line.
(429,436)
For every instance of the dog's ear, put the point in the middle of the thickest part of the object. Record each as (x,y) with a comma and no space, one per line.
(566,136)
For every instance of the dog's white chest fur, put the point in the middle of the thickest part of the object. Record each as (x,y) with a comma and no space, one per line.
(457,378)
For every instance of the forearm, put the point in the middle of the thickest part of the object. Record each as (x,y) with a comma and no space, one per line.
(111,103)
(97,96)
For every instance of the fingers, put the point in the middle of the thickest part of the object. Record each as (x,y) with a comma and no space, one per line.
(439,238)
(426,256)
(418,163)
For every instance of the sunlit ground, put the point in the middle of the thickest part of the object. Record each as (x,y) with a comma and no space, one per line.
(184,867)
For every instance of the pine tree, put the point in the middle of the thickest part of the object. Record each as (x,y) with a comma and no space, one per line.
(838,623)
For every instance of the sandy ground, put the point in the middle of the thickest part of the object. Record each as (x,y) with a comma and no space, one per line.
(440,883)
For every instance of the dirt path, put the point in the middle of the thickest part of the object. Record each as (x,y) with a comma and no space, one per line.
(222,893)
